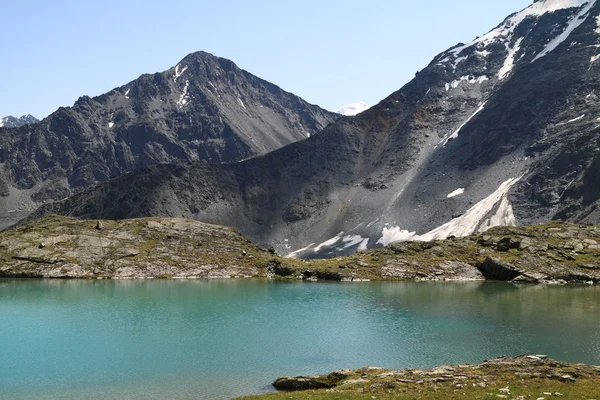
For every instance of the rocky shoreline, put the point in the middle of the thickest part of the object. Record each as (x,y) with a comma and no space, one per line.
(59,247)
(516,377)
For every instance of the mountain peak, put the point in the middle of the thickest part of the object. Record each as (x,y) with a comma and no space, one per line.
(353,109)
(13,122)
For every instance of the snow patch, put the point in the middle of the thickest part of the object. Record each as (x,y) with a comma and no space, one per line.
(353,240)
(395,234)
(353,109)
(241,103)
(111,124)
(364,245)
(597,30)
(343,242)
(574,119)
(178,73)
(454,134)
(574,23)
(504,216)
(184,98)
(295,254)
(458,61)
(457,192)
(509,62)
(127,93)
(506,29)
(2,122)
(595,58)
(329,242)
(469,79)
(474,220)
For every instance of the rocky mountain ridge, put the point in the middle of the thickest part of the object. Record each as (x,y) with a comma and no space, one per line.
(499,131)
(13,122)
(204,108)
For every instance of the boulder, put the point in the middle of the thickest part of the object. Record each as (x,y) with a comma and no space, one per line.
(507,243)
(495,269)
(533,245)
(289,383)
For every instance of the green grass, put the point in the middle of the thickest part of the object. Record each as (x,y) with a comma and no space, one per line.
(529,388)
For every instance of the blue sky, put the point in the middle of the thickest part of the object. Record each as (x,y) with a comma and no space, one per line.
(330,52)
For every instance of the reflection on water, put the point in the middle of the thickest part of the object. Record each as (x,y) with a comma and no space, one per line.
(217,339)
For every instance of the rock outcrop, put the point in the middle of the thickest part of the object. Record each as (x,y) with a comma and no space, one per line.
(58,247)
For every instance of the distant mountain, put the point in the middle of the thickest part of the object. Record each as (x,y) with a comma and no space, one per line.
(12,122)
(500,131)
(204,108)
(353,109)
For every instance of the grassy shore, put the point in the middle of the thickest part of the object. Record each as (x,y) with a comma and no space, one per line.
(519,378)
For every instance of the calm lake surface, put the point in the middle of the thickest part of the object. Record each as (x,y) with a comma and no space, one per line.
(221,339)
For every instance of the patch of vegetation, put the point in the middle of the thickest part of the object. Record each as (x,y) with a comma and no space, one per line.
(517,378)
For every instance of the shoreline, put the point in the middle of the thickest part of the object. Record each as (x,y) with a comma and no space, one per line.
(519,377)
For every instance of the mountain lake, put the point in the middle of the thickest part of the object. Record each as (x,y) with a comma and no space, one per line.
(155,339)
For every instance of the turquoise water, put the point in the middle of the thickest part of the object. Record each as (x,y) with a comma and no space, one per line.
(220,339)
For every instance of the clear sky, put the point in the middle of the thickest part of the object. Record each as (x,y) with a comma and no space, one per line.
(329,52)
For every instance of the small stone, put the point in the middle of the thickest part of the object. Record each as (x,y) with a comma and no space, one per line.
(42,245)
(557,394)
(99,225)
(504,390)
(565,378)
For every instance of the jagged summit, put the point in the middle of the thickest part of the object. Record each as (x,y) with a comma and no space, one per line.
(12,122)
(353,109)
(204,108)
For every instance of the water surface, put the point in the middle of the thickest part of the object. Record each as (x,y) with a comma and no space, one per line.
(220,339)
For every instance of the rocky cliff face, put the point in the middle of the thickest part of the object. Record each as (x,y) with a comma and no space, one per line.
(205,108)
(501,131)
